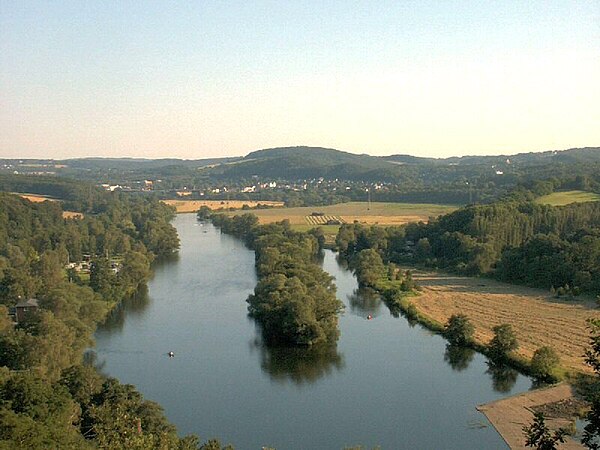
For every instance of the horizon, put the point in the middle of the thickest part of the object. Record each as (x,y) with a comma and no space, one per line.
(211,80)
(296,146)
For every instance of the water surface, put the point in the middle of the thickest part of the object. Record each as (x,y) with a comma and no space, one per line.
(387,383)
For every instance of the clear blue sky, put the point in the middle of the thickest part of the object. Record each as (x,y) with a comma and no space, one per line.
(202,78)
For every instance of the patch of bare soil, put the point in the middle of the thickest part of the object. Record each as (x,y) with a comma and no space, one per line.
(510,415)
(566,408)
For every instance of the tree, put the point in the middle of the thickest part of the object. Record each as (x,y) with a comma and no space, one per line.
(214,444)
(539,435)
(134,273)
(459,329)
(503,342)
(369,267)
(544,363)
(591,432)
(102,278)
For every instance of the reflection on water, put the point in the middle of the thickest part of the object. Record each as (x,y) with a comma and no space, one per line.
(364,302)
(165,260)
(503,377)
(90,358)
(134,305)
(300,365)
(224,382)
(458,357)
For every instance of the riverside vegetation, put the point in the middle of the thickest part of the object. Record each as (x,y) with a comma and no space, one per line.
(372,252)
(294,300)
(48,397)
(515,241)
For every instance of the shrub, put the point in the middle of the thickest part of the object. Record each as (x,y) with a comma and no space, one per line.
(544,363)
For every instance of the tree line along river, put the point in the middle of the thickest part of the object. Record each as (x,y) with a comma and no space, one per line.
(387,383)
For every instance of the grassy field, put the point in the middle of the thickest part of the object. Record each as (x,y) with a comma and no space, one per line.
(190,206)
(328,230)
(537,318)
(376,213)
(384,214)
(567,197)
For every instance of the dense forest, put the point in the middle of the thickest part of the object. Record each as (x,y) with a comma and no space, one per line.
(516,241)
(48,397)
(294,300)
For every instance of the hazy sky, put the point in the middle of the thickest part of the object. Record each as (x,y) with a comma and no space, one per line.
(214,78)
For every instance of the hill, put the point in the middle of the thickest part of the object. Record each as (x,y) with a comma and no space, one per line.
(345,176)
(301,163)
(571,156)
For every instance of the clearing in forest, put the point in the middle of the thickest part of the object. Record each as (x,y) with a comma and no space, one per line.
(537,317)
(568,197)
(35,198)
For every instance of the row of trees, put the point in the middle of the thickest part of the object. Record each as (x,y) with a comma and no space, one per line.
(48,398)
(294,300)
(459,331)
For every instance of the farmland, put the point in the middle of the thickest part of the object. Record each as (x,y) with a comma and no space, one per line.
(537,318)
(35,198)
(568,197)
(190,206)
(363,212)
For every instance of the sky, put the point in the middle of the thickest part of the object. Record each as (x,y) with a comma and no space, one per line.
(204,79)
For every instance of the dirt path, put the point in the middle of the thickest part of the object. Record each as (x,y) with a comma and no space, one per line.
(537,318)
(509,415)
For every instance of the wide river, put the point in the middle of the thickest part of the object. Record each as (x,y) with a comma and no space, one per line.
(388,383)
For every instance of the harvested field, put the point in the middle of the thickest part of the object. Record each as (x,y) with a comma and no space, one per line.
(537,318)
(34,198)
(363,212)
(329,230)
(386,220)
(323,220)
(72,215)
(189,206)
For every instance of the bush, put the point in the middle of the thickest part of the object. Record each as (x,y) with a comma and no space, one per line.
(544,363)
(411,311)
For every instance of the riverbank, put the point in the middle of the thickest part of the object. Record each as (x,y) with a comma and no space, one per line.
(382,372)
(510,415)
(537,318)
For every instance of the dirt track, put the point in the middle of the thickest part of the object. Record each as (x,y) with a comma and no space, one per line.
(537,318)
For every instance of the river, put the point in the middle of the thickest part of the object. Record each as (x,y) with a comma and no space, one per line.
(388,383)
